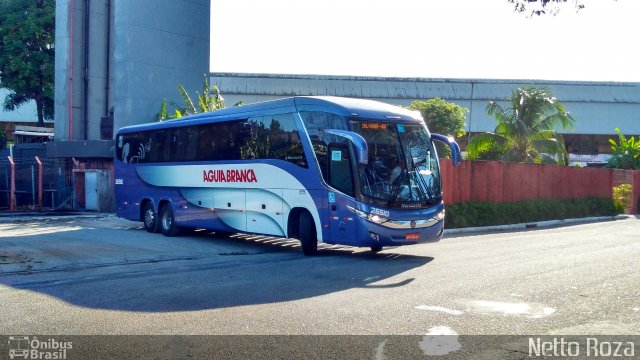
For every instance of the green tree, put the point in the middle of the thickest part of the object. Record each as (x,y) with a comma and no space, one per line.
(543,7)
(442,117)
(209,100)
(27,54)
(3,139)
(525,131)
(625,154)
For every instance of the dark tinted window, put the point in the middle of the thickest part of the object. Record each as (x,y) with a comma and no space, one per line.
(316,122)
(225,140)
(269,137)
(274,137)
(332,152)
(133,148)
(340,174)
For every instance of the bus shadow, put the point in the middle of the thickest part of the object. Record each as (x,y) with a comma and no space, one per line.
(196,272)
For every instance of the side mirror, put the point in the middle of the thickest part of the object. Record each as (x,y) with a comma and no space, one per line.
(455,148)
(362,153)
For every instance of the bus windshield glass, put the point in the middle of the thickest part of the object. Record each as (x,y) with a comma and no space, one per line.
(403,169)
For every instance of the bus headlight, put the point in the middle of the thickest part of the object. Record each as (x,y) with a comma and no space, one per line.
(439,216)
(374,218)
(377,219)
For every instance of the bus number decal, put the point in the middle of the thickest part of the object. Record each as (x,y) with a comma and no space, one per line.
(380,212)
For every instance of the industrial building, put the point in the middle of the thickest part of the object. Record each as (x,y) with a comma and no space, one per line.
(597,107)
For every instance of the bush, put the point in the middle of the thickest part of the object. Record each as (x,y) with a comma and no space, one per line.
(622,196)
(476,213)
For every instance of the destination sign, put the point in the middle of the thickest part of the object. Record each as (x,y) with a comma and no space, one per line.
(374,126)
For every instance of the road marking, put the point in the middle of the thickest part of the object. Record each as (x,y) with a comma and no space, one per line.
(438,308)
(529,310)
(380,351)
(434,343)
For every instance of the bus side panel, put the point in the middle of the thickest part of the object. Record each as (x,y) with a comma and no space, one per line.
(201,218)
(127,190)
(264,211)
(343,223)
(306,199)
(179,206)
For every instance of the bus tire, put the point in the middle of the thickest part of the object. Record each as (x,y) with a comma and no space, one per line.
(150,218)
(168,222)
(376,248)
(308,236)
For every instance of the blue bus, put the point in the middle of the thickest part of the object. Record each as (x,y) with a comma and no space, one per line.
(319,169)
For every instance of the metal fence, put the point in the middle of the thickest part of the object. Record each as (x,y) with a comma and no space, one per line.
(56,183)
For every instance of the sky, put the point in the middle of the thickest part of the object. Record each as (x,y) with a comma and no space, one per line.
(471,39)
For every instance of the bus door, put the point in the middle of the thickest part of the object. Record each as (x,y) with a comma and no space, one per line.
(342,224)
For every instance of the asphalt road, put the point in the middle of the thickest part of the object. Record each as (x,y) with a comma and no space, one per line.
(108,276)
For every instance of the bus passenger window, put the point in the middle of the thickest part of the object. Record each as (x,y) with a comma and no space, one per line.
(340,176)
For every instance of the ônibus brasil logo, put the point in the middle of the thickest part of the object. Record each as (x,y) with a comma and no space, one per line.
(24,347)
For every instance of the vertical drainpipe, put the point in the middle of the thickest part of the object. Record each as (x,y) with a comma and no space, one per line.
(108,55)
(470,116)
(85,92)
(71,12)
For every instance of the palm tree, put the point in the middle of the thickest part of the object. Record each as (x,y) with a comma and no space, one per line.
(525,132)
(209,100)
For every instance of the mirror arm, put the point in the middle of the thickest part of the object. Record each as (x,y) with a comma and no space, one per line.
(357,140)
(455,148)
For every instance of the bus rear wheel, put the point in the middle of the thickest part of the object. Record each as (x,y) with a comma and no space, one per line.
(168,222)
(150,218)
(308,236)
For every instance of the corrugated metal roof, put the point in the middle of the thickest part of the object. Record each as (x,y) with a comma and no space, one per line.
(598,107)
(418,88)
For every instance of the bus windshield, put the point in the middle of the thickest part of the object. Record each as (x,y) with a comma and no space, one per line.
(403,169)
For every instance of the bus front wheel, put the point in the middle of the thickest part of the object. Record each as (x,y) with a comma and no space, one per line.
(150,218)
(308,236)
(168,222)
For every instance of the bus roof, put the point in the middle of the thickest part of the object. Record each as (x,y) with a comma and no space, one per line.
(366,109)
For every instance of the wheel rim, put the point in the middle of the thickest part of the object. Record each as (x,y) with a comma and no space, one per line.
(149,217)
(166,221)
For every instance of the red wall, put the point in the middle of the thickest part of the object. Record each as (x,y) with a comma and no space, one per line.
(636,192)
(497,181)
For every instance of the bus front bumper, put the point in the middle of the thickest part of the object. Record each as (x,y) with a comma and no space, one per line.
(402,233)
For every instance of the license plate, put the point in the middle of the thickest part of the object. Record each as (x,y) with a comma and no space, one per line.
(412,236)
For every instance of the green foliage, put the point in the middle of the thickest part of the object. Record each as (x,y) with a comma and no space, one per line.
(476,213)
(442,117)
(525,131)
(3,139)
(542,7)
(622,196)
(625,154)
(27,54)
(209,100)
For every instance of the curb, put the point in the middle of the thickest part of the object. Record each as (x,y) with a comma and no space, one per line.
(37,218)
(532,225)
